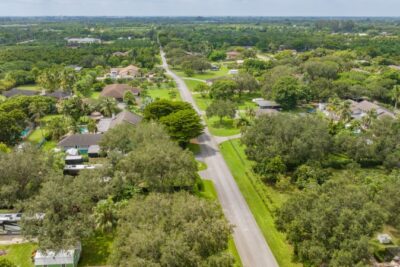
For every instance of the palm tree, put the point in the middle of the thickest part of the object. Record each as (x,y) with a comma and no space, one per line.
(108,106)
(38,110)
(68,78)
(367,120)
(106,214)
(344,111)
(56,127)
(92,126)
(395,95)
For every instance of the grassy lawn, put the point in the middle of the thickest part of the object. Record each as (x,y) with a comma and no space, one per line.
(261,199)
(36,136)
(19,254)
(225,128)
(164,94)
(49,145)
(206,75)
(32,87)
(96,250)
(192,84)
(95,95)
(209,192)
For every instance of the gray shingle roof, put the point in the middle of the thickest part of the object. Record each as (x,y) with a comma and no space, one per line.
(126,117)
(80,140)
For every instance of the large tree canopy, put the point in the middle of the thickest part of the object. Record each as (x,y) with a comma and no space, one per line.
(172,230)
(331,224)
(296,139)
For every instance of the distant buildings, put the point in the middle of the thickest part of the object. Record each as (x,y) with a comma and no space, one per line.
(129,72)
(233,72)
(232,55)
(359,110)
(86,40)
(121,54)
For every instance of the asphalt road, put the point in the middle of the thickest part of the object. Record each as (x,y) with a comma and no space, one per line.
(249,240)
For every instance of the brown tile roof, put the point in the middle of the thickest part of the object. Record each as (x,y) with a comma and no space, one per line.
(118,90)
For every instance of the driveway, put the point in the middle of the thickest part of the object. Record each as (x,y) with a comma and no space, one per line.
(249,240)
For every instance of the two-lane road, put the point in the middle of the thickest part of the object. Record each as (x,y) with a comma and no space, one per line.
(249,240)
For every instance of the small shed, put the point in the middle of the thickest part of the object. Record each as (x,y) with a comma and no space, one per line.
(94,151)
(266,104)
(384,239)
(63,258)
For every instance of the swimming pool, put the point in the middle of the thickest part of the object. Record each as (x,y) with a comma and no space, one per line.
(25,132)
(83,130)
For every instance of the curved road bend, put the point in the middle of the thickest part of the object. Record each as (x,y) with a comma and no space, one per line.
(249,240)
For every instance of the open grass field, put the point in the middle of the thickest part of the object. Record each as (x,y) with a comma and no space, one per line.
(225,128)
(96,250)
(223,71)
(164,94)
(261,199)
(19,254)
(191,84)
(36,136)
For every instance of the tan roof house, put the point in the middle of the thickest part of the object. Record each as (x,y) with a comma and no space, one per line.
(129,72)
(232,55)
(117,91)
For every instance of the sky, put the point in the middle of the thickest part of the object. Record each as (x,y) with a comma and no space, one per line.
(199,7)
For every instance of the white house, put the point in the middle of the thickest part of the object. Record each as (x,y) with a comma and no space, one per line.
(233,72)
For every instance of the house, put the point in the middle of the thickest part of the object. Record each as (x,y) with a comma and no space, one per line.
(123,117)
(9,223)
(121,54)
(384,239)
(86,40)
(232,55)
(117,91)
(75,67)
(73,160)
(82,142)
(74,170)
(129,72)
(361,109)
(63,258)
(233,72)
(215,67)
(19,92)
(266,104)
